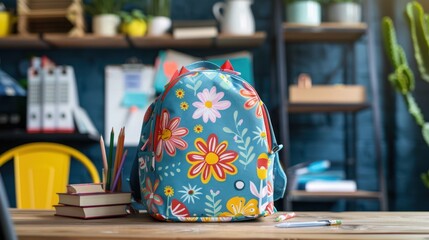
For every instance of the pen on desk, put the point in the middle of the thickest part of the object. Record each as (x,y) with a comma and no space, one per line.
(286,216)
(309,224)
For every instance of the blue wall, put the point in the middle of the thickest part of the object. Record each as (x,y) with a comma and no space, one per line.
(314,136)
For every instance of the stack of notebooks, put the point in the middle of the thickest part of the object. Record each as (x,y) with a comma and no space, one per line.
(318,176)
(89,201)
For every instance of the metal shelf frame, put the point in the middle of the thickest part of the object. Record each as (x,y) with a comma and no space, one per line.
(324,33)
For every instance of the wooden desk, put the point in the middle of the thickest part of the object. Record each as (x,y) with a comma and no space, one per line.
(43,225)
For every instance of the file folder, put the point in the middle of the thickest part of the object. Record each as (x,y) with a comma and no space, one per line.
(34,100)
(65,99)
(49,115)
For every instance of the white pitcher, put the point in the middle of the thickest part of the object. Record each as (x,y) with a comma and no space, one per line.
(237,17)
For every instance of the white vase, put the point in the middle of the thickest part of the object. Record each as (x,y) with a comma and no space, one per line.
(347,12)
(105,24)
(235,16)
(159,25)
(304,12)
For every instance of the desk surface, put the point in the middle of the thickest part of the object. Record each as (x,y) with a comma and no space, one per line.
(43,225)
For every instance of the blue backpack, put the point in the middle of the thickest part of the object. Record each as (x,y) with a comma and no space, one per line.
(207,151)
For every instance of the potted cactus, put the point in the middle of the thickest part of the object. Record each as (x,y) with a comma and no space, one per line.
(344,11)
(402,77)
(304,11)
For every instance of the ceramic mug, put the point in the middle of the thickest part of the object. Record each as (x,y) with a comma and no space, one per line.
(159,25)
(347,12)
(304,12)
(237,17)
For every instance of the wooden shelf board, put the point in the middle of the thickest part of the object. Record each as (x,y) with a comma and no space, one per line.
(320,107)
(32,41)
(221,41)
(45,13)
(226,40)
(298,195)
(121,41)
(167,40)
(332,32)
(87,41)
(21,136)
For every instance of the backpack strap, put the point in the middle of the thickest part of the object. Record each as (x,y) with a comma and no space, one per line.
(202,64)
(280,179)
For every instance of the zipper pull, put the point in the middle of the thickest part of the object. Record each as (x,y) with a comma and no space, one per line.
(276,148)
(152,164)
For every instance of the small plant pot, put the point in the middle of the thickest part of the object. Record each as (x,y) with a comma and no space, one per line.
(105,24)
(304,12)
(159,25)
(347,12)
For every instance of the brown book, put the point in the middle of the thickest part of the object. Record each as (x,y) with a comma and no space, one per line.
(85,188)
(91,212)
(94,199)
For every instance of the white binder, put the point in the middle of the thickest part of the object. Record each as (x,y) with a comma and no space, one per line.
(65,98)
(34,100)
(49,115)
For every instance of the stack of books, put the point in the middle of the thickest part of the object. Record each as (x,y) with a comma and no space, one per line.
(87,201)
(318,176)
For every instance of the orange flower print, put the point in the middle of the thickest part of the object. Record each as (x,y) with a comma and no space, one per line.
(212,158)
(253,99)
(150,196)
(238,207)
(169,135)
(180,93)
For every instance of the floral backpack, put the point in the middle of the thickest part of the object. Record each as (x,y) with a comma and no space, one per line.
(207,151)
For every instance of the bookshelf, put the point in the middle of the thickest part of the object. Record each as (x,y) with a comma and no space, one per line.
(333,33)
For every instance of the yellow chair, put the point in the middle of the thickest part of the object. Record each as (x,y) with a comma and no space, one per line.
(42,171)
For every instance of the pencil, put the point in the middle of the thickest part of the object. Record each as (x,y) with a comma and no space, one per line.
(122,150)
(118,172)
(110,159)
(119,151)
(105,164)
(309,224)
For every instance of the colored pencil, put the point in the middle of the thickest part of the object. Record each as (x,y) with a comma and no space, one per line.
(105,164)
(110,160)
(119,171)
(119,152)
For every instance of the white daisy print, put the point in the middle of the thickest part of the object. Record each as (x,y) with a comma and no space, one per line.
(260,136)
(190,193)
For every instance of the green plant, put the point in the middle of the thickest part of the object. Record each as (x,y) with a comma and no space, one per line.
(127,17)
(158,7)
(97,7)
(402,77)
